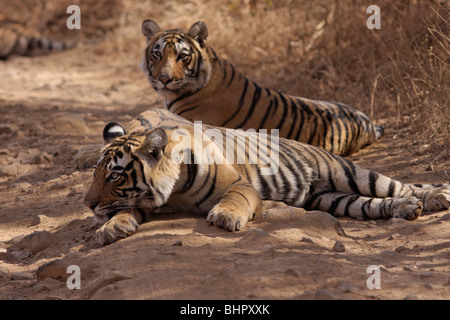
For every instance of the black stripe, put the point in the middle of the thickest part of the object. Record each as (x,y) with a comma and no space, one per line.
(285,111)
(241,194)
(241,102)
(349,203)
(182,97)
(266,115)
(312,198)
(186,110)
(391,188)
(373,176)
(363,208)
(256,97)
(350,180)
(334,204)
(232,76)
(211,189)
(265,191)
(313,133)
(294,110)
(192,170)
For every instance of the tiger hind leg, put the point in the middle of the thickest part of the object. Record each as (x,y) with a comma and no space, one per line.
(361,207)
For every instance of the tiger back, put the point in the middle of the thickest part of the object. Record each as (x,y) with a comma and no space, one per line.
(199,85)
(160,159)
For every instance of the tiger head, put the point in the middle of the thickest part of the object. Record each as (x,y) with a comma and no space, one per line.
(132,173)
(176,62)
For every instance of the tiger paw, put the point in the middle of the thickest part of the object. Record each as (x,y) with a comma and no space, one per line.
(226,218)
(439,199)
(409,208)
(120,226)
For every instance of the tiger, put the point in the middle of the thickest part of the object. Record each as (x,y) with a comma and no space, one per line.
(161,160)
(199,85)
(17,39)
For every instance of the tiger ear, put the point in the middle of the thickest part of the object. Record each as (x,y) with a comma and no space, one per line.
(149,29)
(111,131)
(152,149)
(199,31)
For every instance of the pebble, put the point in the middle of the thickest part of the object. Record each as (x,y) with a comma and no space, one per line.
(35,242)
(401,249)
(425,274)
(55,269)
(338,247)
(22,275)
(177,243)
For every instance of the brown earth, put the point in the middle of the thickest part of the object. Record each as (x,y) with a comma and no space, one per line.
(52,107)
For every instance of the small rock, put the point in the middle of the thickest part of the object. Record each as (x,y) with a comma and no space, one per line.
(292,273)
(22,275)
(307,239)
(410,297)
(401,249)
(425,274)
(429,286)
(36,220)
(338,247)
(177,243)
(36,242)
(55,269)
(107,278)
(43,158)
(345,288)
(394,236)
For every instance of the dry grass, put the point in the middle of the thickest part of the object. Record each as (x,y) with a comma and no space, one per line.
(318,49)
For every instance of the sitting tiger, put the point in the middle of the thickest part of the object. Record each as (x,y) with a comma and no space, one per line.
(16,38)
(199,85)
(163,159)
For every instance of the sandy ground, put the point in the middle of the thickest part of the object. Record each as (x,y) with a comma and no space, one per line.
(49,108)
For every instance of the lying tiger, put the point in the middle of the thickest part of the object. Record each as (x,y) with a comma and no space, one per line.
(16,38)
(199,85)
(161,159)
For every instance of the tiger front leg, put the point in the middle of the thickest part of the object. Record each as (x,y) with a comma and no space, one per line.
(240,204)
(120,226)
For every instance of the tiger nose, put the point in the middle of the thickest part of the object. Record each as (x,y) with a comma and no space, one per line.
(165,79)
(91,205)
